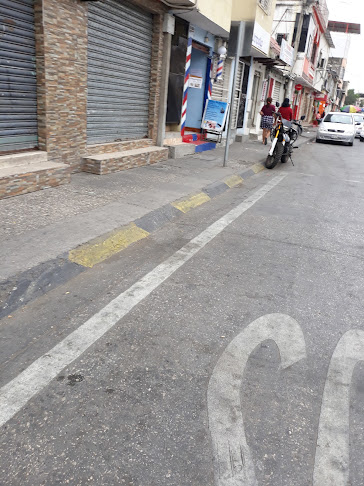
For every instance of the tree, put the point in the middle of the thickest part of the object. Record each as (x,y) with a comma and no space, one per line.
(350,97)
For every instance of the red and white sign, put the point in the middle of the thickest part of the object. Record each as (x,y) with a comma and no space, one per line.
(264,90)
(321,98)
(298,87)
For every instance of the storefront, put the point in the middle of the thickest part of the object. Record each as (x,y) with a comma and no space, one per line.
(119,70)
(18,84)
(202,50)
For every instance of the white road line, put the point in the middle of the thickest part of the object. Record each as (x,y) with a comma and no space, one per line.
(233,463)
(15,394)
(332,452)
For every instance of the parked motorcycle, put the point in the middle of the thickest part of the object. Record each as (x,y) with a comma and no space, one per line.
(285,134)
(298,124)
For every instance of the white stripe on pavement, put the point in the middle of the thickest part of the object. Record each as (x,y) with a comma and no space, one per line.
(233,463)
(15,394)
(332,452)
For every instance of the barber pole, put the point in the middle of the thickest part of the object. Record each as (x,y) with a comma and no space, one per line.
(185,90)
(220,67)
(211,82)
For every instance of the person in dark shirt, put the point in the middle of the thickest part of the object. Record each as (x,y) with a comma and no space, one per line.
(285,110)
(267,120)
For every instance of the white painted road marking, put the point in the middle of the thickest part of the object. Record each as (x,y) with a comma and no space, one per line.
(332,452)
(233,463)
(15,394)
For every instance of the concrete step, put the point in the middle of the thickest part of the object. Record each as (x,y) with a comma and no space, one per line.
(179,150)
(110,147)
(21,179)
(254,135)
(127,159)
(23,159)
(172,138)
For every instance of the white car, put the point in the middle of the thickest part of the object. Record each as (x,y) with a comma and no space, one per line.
(338,127)
(359,123)
(361,135)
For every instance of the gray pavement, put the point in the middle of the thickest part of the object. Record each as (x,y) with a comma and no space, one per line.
(42,226)
(250,347)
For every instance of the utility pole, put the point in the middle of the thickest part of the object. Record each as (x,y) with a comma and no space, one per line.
(236,67)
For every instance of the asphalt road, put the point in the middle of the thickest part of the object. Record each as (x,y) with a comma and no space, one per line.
(225,349)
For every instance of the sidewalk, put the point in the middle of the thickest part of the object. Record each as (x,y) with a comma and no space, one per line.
(37,230)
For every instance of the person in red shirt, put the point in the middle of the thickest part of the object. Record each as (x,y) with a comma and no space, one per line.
(267,120)
(285,110)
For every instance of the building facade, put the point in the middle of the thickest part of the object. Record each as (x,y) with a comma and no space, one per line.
(83,79)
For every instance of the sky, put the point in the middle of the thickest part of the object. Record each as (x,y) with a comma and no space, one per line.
(351,11)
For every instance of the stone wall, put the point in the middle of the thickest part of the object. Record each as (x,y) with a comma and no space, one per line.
(61,42)
(25,182)
(61,45)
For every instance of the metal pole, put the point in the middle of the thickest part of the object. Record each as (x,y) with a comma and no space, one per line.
(236,67)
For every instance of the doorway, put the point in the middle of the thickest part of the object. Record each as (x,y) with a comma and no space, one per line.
(255,89)
(196,90)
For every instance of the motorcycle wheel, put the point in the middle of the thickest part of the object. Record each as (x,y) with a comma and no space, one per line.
(272,160)
(284,158)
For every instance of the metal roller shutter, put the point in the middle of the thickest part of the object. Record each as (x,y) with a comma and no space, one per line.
(277,92)
(18,86)
(237,95)
(119,59)
(220,90)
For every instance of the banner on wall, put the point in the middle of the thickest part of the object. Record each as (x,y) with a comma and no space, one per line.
(261,39)
(215,114)
(287,53)
(264,90)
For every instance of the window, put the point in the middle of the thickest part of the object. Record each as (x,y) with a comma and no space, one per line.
(280,37)
(314,52)
(339,118)
(265,4)
(304,34)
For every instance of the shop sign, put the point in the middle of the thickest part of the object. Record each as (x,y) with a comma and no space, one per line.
(261,39)
(215,115)
(195,82)
(287,53)
(264,90)
(321,98)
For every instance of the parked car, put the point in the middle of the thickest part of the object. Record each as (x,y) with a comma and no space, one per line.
(361,135)
(359,124)
(338,127)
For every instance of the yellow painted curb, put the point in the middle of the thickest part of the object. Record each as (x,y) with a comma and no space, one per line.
(89,254)
(233,180)
(191,202)
(257,168)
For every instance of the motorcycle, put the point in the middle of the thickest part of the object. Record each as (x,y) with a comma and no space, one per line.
(285,134)
(298,124)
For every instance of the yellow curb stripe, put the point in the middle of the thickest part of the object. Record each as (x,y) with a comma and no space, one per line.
(257,168)
(233,180)
(191,202)
(89,254)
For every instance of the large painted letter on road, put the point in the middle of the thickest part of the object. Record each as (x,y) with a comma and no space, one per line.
(332,452)
(232,458)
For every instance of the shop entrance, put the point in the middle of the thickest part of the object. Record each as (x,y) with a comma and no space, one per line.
(196,91)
